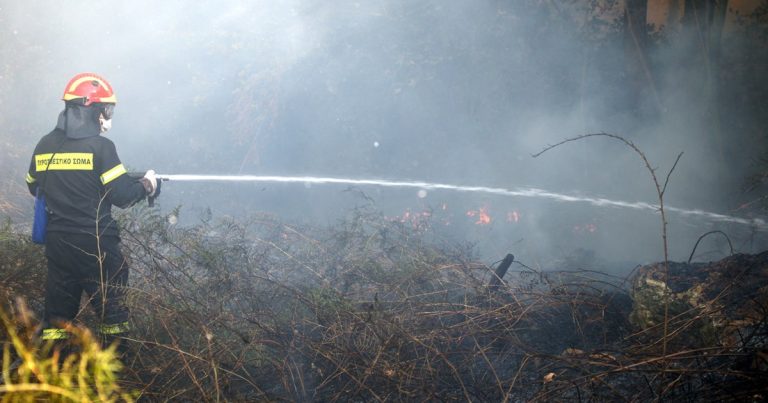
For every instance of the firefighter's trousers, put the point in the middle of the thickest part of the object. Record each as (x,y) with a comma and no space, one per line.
(80,263)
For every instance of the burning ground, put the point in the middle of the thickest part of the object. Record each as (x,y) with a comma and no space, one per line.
(376,308)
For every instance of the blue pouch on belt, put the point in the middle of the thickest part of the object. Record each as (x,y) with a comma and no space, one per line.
(40,222)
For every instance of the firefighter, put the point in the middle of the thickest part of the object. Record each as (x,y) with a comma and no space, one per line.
(78,172)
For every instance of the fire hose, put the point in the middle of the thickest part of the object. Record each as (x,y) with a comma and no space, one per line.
(529,192)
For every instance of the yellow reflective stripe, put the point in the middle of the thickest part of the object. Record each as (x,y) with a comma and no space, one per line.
(110,99)
(83,79)
(55,334)
(30,179)
(116,328)
(69,97)
(113,174)
(64,162)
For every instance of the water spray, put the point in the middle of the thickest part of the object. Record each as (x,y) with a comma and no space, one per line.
(516,192)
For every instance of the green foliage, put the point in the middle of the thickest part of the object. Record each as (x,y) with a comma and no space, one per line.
(47,373)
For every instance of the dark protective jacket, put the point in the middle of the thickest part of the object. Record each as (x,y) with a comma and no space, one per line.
(81,177)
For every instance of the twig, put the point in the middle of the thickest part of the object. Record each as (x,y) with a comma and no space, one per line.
(703,236)
(660,194)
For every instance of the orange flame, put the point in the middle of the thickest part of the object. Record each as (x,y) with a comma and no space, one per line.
(483,218)
(418,220)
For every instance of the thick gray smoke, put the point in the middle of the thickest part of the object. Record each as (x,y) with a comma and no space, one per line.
(457,92)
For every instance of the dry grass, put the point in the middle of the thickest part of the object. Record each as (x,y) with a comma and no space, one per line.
(371,311)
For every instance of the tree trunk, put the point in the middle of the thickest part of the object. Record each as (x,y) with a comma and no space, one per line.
(705,19)
(636,50)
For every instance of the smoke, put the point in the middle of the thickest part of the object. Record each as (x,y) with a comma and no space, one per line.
(460,92)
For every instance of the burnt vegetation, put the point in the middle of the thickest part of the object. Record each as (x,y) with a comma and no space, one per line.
(374,309)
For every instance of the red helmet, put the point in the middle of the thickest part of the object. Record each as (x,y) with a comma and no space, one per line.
(91,88)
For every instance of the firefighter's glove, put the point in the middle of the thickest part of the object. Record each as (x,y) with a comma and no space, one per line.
(157,189)
(151,184)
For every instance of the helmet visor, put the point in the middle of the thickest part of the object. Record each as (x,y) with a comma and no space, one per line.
(107,110)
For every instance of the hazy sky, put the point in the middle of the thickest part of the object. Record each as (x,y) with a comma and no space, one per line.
(460,92)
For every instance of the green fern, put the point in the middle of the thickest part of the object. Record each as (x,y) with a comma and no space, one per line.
(43,374)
